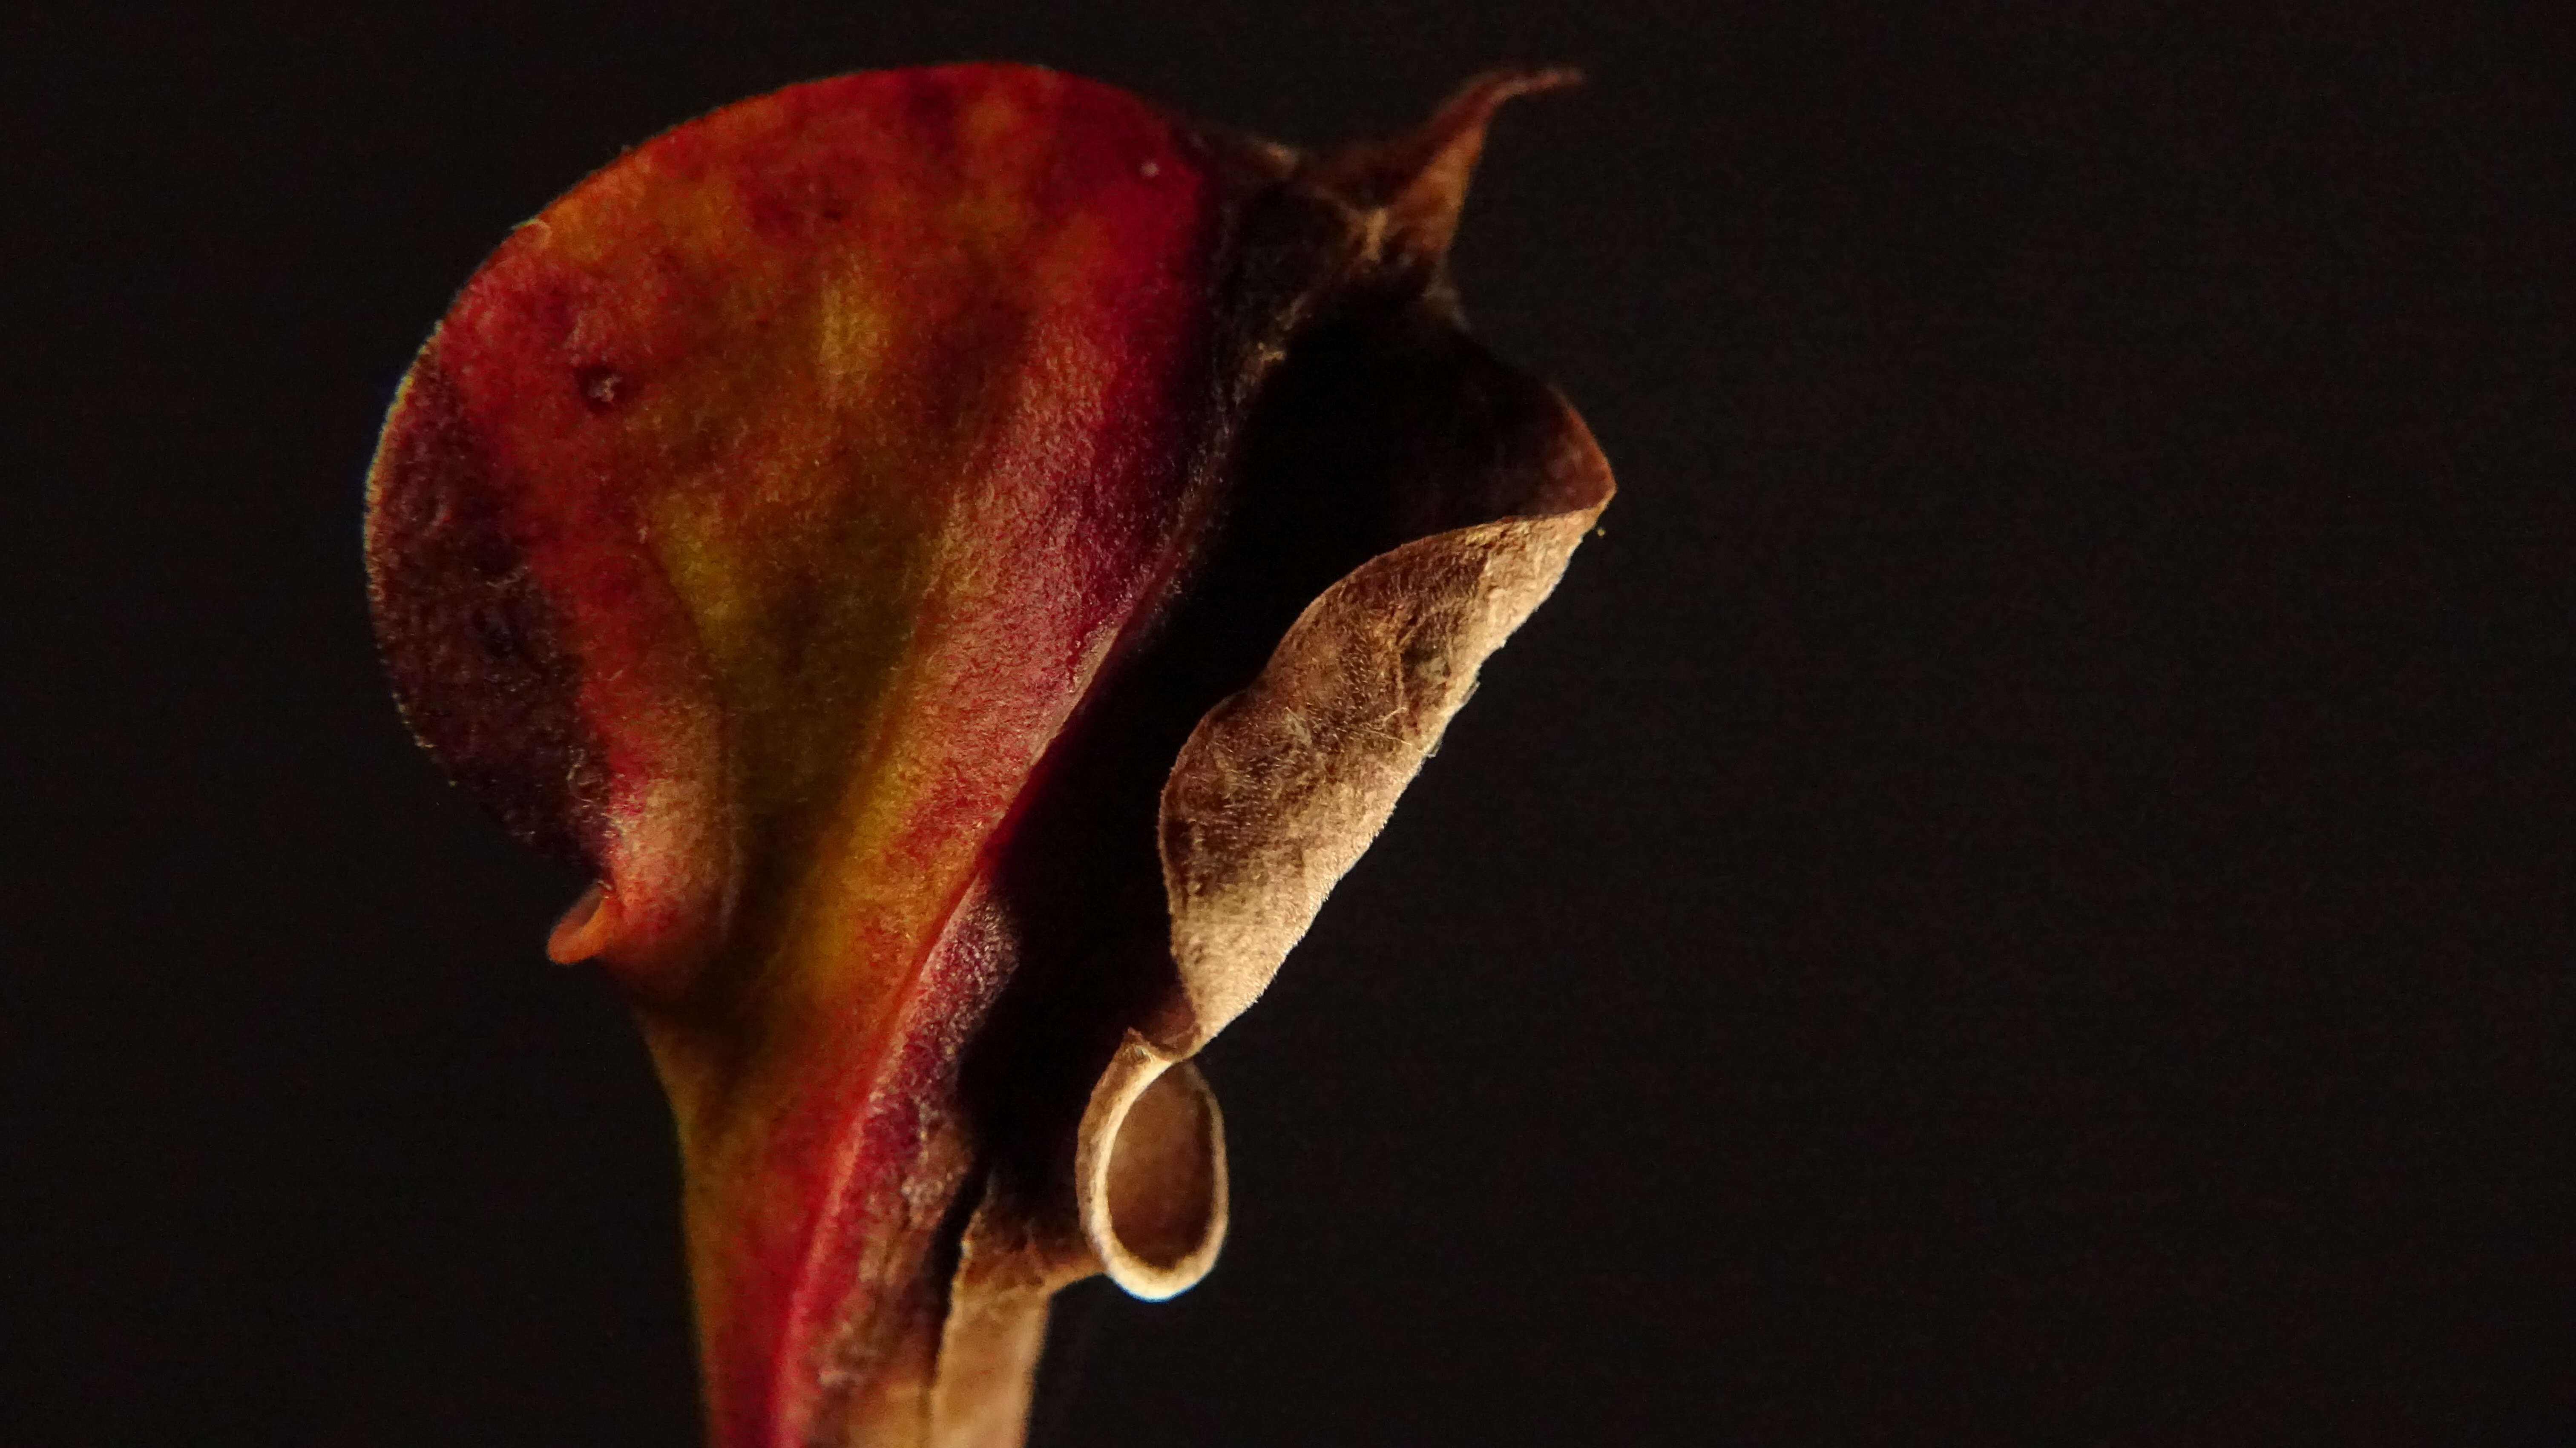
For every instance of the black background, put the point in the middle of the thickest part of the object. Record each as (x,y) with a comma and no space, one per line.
(2021,893)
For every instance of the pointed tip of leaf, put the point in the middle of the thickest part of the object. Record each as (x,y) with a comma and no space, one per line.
(1419,180)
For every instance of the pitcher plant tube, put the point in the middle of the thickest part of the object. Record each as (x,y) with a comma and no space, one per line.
(965,559)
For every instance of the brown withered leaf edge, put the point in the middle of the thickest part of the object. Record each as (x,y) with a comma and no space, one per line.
(1283,784)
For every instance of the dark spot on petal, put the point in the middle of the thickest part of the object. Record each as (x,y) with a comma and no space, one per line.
(600,386)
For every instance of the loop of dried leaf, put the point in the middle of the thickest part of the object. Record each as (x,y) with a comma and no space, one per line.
(1149,1169)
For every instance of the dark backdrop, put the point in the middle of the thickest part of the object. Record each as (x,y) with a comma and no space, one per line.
(2020,894)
